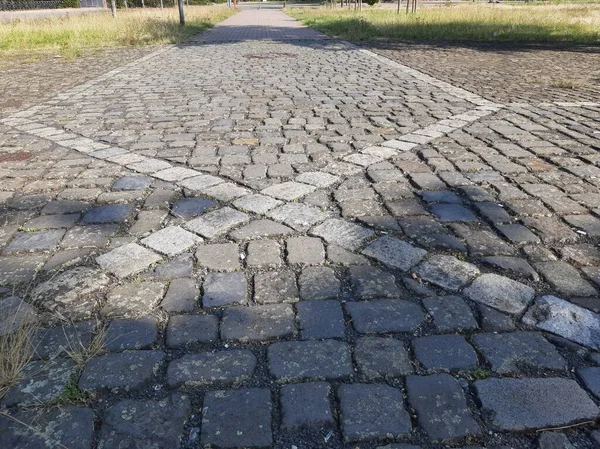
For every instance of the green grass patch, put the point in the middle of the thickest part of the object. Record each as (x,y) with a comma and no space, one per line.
(571,23)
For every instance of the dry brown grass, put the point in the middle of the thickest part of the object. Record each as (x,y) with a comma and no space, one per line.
(16,351)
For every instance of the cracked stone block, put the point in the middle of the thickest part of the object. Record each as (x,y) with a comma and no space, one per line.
(450,313)
(237,418)
(372,412)
(318,179)
(257,203)
(131,300)
(371,282)
(318,283)
(219,257)
(560,317)
(565,279)
(445,352)
(171,241)
(112,213)
(56,342)
(447,272)
(382,358)
(590,376)
(184,330)
(138,333)
(217,222)
(273,287)
(73,294)
(306,405)
(132,183)
(320,319)
(259,229)
(210,368)
(41,381)
(394,252)
(317,360)
(127,260)
(385,315)
(133,423)
(187,208)
(500,293)
(182,296)
(264,254)
(15,314)
(64,426)
(519,352)
(129,370)
(288,191)
(298,216)
(222,289)
(543,403)
(305,251)
(441,407)
(258,323)
(342,233)
(35,241)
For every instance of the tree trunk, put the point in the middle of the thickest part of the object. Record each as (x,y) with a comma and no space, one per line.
(181,16)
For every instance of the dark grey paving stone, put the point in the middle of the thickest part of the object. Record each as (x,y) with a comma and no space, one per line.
(221,289)
(518,234)
(191,207)
(133,300)
(590,376)
(512,265)
(65,207)
(15,314)
(453,212)
(419,226)
(385,315)
(58,341)
(565,279)
(318,283)
(260,229)
(517,405)
(42,381)
(447,272)
(519,352)
(28,202)
(372,412)
(442,242)
(273,287)
(68,258)
(183,330)
(89,236)
(52,222)
(440,196)
(338,255)
(554,440)
(379,358)
(316,360)
(441,407)
(500,293)
(182,296)
(494,321)
(129,370)
(237,418)
(112,213)
(493,212)
(219,256)
(305,251)
(371,282)
(65,426)
(583,254)
(320,319)
(394,252)
(139,333)
(445,352)
(132,183)
(34,241)
(383,222)
(258,323)
(209,368)
(180,267)
(133,423)
(306,405)
(450,313)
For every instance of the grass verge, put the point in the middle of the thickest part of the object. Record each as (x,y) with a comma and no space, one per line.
(70,36)
(467,22)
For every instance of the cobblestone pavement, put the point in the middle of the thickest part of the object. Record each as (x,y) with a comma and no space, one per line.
(293,242)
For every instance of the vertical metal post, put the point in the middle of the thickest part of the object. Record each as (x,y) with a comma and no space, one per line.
(181,17)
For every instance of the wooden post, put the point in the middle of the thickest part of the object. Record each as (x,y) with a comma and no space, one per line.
(181,16)
(113,7)
(399,6)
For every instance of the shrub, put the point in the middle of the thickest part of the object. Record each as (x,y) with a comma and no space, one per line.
(69,3)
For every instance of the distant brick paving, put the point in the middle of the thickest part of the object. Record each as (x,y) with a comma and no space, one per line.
(286,240)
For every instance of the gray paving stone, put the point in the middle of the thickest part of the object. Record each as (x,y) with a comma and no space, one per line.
(512,265)
(565,279)
(554,440)
(563,318)
(275,287)
(19,269)
(372,412)
(483,242)
(88,236)
(385,315)
(179,267)
(34,241)
(441,407)
(450,313)
(338,255)
(133,300)
(445,352)
(132,183)
(15,314)
(518,234)
(259,229)
(318,179)
(299,216)
(41,381)
(210,368)
(133,423)
(259,204)
(182,296)
(590,376)
(219,257)
(217,222)
(129,370)
(495,321)
(582,254)
(500,293)
(52,222)
(493,212)
(588,223)
(453,212)
(382,358)
(221,289)
(306,405)
(317,360)
(342,233)
(55,342)
(264,254)
(64,426)
(371,282)
(237,418)
(171,241)
(113,213)
(258,323)
(191,207)
(447,272)
(65,207)
(127,260)
(440,196)
(519,352)
(138,333)
(305,251)
(320,319)
(147,221)
(184,330)
(288,191)
(548,402)
(394,252)
(318,283)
